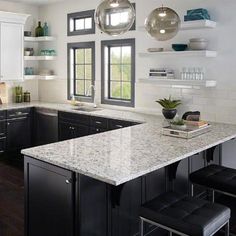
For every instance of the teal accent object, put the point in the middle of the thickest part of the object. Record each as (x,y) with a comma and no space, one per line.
(179,47)
(45,29)
(197,11)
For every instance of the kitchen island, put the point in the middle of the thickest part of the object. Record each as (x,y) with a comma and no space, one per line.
(94,185)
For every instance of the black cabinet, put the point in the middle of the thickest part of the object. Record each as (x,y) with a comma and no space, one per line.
(119,124)
(91,207)
(68,130)
(49,200)
(73,125)
(18,129)
(3,131)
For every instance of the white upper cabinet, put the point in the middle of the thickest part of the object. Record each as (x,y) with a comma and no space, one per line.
(12,60)
(12,46)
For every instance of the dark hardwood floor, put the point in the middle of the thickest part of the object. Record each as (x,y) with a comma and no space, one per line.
(11,200)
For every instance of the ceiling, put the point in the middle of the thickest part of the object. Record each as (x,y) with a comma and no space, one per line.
(36,2)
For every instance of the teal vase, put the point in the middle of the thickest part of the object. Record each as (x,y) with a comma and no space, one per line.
(45,29)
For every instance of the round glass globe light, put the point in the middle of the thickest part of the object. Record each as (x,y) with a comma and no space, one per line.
(163,23)
(115,17)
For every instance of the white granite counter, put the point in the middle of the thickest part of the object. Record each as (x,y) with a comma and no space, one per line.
(118,156)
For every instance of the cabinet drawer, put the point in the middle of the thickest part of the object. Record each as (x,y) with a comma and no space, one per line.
(99,122)
(3,115)
(3,128)
(15,113)
(2,144)
(94,130)
(75,118)
(118,124)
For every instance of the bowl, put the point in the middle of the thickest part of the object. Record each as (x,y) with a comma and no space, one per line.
(155,49)
(179,47)
(27,33)
(27,53)
(198,44)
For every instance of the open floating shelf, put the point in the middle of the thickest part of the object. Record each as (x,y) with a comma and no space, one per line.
(191,25)
(181,83)
(39,58)
(181,53)
(39,39)
(40,77)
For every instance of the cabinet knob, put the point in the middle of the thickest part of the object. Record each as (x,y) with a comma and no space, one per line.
(8,123)
(68,181)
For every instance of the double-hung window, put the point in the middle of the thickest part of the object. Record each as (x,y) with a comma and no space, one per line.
(118,72)
(81,70)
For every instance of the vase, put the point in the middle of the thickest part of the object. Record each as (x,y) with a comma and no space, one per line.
(39,30)
(45,29)
(169,114)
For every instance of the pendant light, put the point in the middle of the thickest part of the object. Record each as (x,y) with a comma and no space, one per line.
(115,17)
(163,23)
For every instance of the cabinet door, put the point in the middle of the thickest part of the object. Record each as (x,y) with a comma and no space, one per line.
(70,130)
(18,133)
(11,51)
(49,200)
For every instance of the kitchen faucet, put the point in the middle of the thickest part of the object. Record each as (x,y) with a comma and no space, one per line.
(94,90)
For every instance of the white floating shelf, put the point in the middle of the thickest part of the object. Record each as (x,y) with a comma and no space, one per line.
(181,53)
(191,25)
(39,39)
(40,77)
(198,24)
(39,58)
(176,83)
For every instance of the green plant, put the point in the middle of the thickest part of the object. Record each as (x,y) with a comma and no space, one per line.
(169,103)
(178,122)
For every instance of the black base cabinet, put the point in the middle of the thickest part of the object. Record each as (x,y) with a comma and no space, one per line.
(49,200)
(59,202)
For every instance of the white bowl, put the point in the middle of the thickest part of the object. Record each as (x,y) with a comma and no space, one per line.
(27,53)
(198,45)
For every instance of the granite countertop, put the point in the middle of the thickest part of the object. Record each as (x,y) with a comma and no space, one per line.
(118,156)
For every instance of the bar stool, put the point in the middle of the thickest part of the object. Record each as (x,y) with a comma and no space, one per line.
(216,178)
(184,215)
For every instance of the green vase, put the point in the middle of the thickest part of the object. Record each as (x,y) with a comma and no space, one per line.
(39,30)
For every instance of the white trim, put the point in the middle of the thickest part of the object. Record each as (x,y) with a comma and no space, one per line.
(11,17)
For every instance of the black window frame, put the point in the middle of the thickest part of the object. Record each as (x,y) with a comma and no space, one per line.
(116,43)
(74,46)
(80,15)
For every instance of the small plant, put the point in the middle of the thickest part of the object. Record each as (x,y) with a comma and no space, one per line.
(169,103)
(178,122)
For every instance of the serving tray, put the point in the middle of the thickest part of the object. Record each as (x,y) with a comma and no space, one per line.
(188,133)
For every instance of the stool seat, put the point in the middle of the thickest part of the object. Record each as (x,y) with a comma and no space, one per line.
(216,177)
(188,215)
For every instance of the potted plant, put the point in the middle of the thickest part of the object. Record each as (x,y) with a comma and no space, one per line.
(178,124)
(169,107)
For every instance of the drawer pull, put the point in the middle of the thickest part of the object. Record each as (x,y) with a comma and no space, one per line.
(98,122)
(119,126)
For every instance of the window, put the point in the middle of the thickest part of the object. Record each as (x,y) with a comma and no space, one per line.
(81,70)
(118,72)
(81,23)
(115,18)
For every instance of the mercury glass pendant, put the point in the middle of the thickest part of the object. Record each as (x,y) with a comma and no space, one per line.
(115,17)
(163,23)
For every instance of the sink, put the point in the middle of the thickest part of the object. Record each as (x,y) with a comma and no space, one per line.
(87,109)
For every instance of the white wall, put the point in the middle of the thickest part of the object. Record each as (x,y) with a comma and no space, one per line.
(217,104)
(31,86)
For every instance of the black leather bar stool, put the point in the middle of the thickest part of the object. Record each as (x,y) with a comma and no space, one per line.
(184,215)
(216,178)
